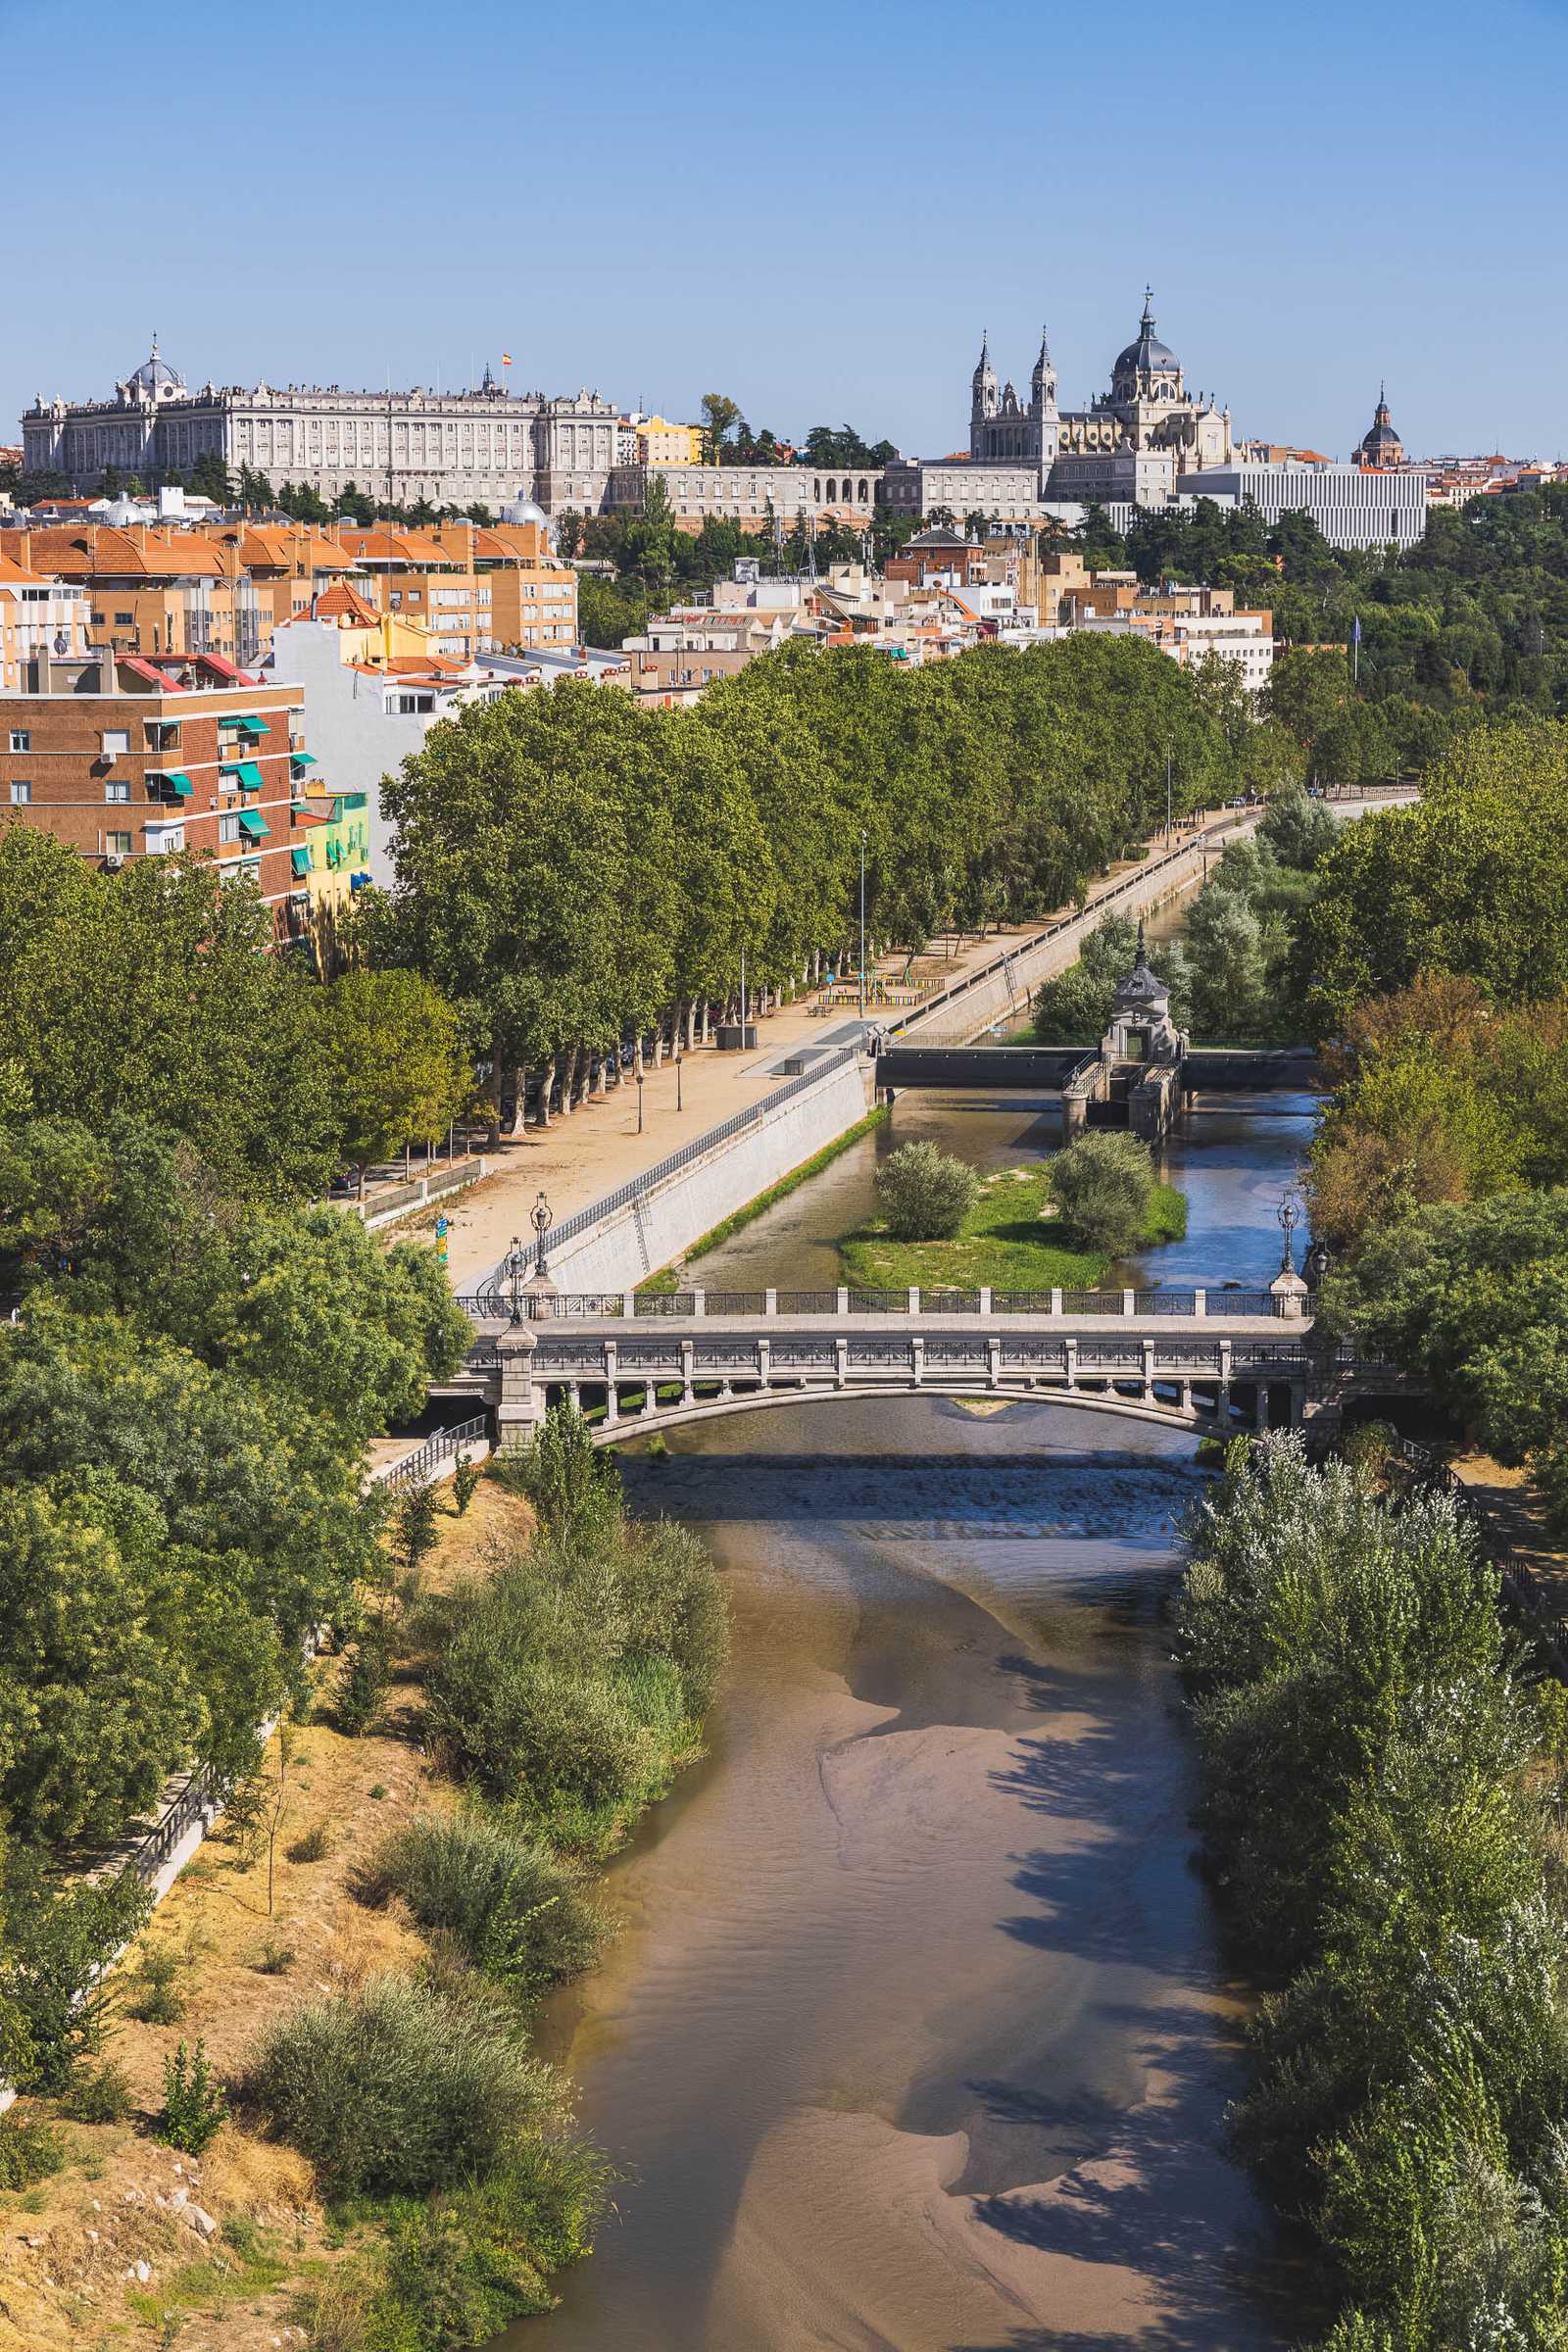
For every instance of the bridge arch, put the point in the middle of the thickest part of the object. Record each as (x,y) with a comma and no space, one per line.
(1181,1411)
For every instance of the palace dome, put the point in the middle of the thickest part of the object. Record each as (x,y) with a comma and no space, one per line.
(155,374)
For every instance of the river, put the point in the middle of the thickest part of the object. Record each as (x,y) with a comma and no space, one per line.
(916,2037)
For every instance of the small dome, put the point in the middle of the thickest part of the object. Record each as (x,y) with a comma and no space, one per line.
(525,509)
(155,374)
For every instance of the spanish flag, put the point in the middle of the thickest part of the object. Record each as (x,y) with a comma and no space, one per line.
(505,359)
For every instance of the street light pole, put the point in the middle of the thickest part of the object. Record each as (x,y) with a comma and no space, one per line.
(862,924)
(1167,796)
(638,1102)
(678,1058)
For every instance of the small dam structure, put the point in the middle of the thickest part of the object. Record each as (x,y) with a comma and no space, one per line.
(1139,1076)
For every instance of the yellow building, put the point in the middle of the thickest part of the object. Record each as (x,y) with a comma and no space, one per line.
(661,443)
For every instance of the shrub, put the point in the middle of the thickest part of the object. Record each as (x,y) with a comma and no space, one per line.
(273,1956)
(158,1996)
(362,1690)
(313,1845)
(415,1532)
(99,2094)
(194,2105)
(395,2089)
(572,1680)
(465,1477)
(55,1945)
(924,1194)
(1103,1184)
(572,1488)
(29,2150)
(511,1908)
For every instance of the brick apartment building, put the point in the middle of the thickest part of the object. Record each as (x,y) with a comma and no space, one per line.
(137,755)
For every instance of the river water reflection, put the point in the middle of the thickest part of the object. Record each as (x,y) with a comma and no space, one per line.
(915,2035)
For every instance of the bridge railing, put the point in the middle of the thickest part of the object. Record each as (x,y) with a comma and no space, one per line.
(1212,1303)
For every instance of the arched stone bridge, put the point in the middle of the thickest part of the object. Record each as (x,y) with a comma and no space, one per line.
(1205,1358)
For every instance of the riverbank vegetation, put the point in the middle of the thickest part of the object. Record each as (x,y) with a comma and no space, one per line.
(364,1943)
(1232,973)
(1383,1795)
(1438,1176)
(1013,1238)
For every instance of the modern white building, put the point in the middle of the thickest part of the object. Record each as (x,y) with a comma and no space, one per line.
(1351,505)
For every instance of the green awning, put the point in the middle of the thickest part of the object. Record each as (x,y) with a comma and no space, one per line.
(301,860)
(176,780)
(302,758)
(250,724)
(249,775)
(356,800)
(254,823)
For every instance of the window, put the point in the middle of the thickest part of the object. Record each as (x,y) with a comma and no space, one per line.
(114,741)
(20,738)
(118,844)
(20,794)
(124,620)
(228,828)
(117,788)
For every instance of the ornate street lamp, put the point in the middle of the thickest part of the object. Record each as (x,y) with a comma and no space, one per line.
(514,1268)
(678,1059)
(540,1217)
(1289,1216)
(638,1102)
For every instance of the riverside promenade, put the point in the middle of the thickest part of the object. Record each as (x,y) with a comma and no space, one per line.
(582,1157)
(593,1152)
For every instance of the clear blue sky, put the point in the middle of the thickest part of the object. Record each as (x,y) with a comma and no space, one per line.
(814,209)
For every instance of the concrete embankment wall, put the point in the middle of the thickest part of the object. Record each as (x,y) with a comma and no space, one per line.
(634,1239)
(998,991)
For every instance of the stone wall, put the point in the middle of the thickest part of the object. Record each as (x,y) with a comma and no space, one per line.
(621,1249)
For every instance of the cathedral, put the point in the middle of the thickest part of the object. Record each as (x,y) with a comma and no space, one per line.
(1134,445)
(1147,410)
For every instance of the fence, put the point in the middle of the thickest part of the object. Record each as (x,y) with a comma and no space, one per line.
(584,1220)
(984,972)
(594,1306)
(415,1468)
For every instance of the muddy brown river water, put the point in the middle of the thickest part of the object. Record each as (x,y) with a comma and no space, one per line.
(916,2037)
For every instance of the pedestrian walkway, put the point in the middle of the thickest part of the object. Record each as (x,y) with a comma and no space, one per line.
(582,1157)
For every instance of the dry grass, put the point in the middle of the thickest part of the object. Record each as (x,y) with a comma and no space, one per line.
(61,2287)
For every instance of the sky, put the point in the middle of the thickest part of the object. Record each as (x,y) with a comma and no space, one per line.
(813,209)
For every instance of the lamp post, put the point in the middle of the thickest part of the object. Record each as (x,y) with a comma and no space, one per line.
(638,1102)
(1167,796)
(541,1217)
(862,924)
(513,1267)
(1289,1216)
(678,1059)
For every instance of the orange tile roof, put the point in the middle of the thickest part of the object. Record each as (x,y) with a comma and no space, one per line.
(343,602)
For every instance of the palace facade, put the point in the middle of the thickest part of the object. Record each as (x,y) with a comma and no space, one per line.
(451,448)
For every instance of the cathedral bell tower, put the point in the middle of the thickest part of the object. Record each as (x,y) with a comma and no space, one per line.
(1042,410)
(984,400)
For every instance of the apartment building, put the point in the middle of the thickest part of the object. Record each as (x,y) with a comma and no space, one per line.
(39,615)
(473,589)
(153,591)
(127,756)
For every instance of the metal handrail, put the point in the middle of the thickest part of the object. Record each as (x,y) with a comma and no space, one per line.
(416,1466)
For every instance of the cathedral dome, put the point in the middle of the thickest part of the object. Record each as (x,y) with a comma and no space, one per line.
(1149,355)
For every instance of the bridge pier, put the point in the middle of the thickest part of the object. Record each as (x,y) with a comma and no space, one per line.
(612,1404)
(688,1392)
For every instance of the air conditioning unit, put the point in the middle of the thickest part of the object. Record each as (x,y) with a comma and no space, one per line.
(113,863)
